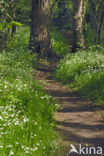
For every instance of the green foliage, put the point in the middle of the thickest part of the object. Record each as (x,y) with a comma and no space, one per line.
(26,111)
(93,22)
(20,40)
(12,13)
(85,71)
(89,36)
(61,14)
(16,23)
(24,9)
(1,26)
(9,25)
(59,42)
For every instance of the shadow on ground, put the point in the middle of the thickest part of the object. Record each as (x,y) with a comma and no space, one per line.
(78,121)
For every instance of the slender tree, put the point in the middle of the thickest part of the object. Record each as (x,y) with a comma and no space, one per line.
(39,38)
(78,40)
(96,12)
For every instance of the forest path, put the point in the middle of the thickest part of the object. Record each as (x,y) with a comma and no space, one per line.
(69,36)
(78,121)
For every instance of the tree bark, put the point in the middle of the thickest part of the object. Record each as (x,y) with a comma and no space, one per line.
(100,26)
(78,40)
(40,41)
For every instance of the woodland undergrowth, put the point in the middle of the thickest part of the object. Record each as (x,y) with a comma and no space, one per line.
(84,72)
(26,111)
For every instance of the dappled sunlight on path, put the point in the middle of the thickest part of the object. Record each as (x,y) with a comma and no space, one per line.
(78,121)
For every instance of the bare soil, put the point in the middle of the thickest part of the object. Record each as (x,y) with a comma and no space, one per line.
(78,121)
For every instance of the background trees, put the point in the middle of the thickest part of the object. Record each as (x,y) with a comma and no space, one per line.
(94,22)
(84,18)
(78,40)
(12,14)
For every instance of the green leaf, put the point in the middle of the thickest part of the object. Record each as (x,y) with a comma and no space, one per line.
(2,26)
(8,25)
(16,23)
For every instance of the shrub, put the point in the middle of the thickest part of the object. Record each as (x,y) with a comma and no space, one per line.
(84,70)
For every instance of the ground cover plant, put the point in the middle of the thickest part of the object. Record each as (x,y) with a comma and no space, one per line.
(26,111)
(84,71)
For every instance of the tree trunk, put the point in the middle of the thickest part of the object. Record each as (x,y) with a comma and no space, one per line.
(40,41)
(78,41)
(100,26)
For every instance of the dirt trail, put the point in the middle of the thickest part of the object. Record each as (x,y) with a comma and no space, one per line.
(78,121)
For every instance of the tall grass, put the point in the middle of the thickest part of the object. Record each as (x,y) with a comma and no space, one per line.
(26,111)
(85,72)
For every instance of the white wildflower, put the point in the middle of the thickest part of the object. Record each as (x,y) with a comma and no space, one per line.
(11,152)
(1,118)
